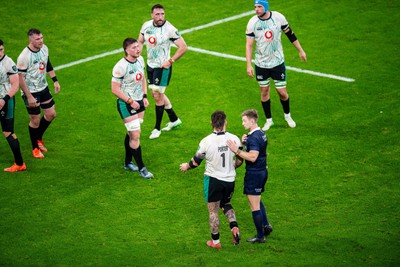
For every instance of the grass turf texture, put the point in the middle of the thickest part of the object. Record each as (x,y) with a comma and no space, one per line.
(333,191)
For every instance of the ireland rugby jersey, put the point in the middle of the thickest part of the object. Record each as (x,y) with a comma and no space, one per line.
(220,162)
(7,68)
(267,34)
(34,64)
(130,75)
(158,41)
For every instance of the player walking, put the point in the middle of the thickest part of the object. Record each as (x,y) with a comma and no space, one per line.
(9,84)
(265,28)
(33,64)
(158,35)
(129,85)
(219,176)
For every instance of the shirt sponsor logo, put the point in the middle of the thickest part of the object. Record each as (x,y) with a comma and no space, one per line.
(268,34)
(152,40)
(139,76)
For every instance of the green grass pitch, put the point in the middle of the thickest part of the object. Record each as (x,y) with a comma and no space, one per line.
(333,193)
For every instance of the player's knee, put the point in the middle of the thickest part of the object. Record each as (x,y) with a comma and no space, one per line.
(283,95)
(6,134)
(51,115)
(227,207)
(34,121)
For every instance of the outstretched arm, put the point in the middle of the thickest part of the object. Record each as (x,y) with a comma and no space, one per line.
(193,163)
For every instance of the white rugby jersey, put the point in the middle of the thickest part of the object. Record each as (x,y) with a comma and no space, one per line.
(158,40)
(267,34)
(220,162)
(34,64)
(7,68)
(130,75)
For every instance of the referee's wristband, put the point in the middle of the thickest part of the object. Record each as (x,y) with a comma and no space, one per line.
(6,98)
(54,79)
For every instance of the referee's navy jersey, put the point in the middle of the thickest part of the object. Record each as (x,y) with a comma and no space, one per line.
(257,140)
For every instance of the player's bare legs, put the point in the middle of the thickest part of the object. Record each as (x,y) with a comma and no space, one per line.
(213,208)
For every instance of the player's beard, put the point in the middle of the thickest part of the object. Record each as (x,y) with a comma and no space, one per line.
(160,22)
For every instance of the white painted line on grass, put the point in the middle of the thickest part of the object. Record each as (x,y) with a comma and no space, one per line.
(217,54)
(315,73)
(88,59)
(181,32)
(218,22)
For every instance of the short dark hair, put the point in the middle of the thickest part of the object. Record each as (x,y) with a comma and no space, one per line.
(251,114)
(218,119)
(33,31)
(1,42)
(156,6)
(127,42)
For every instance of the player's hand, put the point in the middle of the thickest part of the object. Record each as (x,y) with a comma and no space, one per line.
(57,87)
(145,102)
(303,56)
(244,138)
(250,71)
(232,146)
(135,105)
(166,65)
(32,102)
(2,103)
(184,167)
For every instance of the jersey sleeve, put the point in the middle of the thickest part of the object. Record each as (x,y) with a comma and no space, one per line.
(173,33)
(201,151)
(118,73)
(142,29)
(23,62)
(250,28)
(282,21)
(252,144)
(11,68)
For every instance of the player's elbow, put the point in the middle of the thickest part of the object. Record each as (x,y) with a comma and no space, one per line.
(184,48)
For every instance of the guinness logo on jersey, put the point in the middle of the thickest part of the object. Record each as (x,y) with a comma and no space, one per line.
(41,66)
(139,76)
(152,40)
(268,35)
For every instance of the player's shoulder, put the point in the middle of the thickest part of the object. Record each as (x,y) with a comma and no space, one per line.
(253,19)
(207,139)
(25,51)
(231,136)
(147,24)
(8,60)
(141,60)
(121,64)
(277,14)
(44,49)
(168,24)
